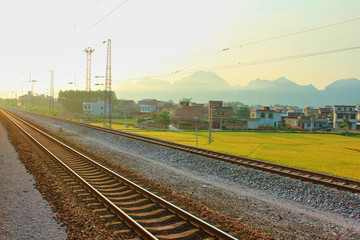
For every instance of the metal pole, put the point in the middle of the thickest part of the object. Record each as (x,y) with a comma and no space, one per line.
(108,84)
(196,136)
(125,119)
(32,85)
(52,93)
(210,125)
(88,51)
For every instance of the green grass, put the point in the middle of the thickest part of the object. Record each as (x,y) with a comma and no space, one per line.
(328,153)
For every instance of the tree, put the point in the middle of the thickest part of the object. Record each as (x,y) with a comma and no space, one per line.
(233,119)
(72,100)
(153,116)
(185,100)
(140,119)
(164,117)
(345,123)
(242,112)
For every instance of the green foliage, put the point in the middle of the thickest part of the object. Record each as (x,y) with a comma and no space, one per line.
(233,119)
(188,124)
(242,112)
(234,104)
(72,100)
(8,102)
(345,123)
(185,100)
(153,116)
(140,119)
(164,117)
(312,114)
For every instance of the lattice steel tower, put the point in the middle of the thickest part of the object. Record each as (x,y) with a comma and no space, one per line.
(107,102)
(88,51)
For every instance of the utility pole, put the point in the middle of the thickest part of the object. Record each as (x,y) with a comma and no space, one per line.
(107,102)
(88,51)
(196,131)
(52,93)
(32,85)
(210,123)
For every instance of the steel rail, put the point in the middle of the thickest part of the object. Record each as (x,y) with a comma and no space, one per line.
(213,231)
(332,181)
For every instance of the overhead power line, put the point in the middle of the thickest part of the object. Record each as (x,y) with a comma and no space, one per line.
(84,32)
(262,61)
(216,52)
(68,32)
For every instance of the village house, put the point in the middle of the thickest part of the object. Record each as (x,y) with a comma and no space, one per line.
(96,109)
(266,117)
(310,111)
(306,123)
(148,106)
(325,112)
(294,109)
(189,112)
(218,114)
(345,112)
(128,108)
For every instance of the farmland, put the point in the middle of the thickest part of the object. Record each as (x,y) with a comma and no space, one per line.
(328,153)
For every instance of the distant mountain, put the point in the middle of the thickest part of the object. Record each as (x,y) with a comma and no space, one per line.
(205,86)
(279,91)
(342,91)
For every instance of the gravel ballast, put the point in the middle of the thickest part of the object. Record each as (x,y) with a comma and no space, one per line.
(278,206)
(24,214)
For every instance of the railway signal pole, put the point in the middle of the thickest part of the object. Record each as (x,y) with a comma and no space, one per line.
(107,102)
(88,51)
(52,100)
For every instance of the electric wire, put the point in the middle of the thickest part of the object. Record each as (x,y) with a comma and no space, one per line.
(70,30)
(84,32)
(257,62)
(251,43)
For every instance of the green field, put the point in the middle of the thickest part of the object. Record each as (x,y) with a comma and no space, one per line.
(328,153)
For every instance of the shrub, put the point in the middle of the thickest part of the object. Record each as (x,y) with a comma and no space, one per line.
(187,124)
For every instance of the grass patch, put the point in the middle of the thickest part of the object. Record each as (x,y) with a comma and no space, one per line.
(329,153)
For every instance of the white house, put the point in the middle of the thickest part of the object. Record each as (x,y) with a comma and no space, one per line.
(342,112)
(266,116)
(96,109)
(147,108)
(307,123)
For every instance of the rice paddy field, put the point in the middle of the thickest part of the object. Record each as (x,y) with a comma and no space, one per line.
(328,153)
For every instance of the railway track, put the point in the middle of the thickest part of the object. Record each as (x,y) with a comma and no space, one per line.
(115,198)
(340,183)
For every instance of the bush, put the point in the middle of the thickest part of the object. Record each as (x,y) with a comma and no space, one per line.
(140,119)
(187,124)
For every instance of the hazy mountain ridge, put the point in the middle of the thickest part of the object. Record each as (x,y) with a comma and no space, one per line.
(205,86)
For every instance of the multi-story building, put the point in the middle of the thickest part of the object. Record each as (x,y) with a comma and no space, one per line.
(96,109)
(310,111)
(342,113)
(217,113)
(128,108)
(325,112)
(189,112)
(148,106)
(266,116)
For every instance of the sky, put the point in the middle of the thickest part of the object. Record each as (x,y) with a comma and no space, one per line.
(171,39)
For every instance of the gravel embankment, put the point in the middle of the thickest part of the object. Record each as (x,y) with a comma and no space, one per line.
(278,206)
(24,214)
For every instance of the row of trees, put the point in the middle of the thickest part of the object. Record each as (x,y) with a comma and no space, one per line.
(161,117)
(72,100)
